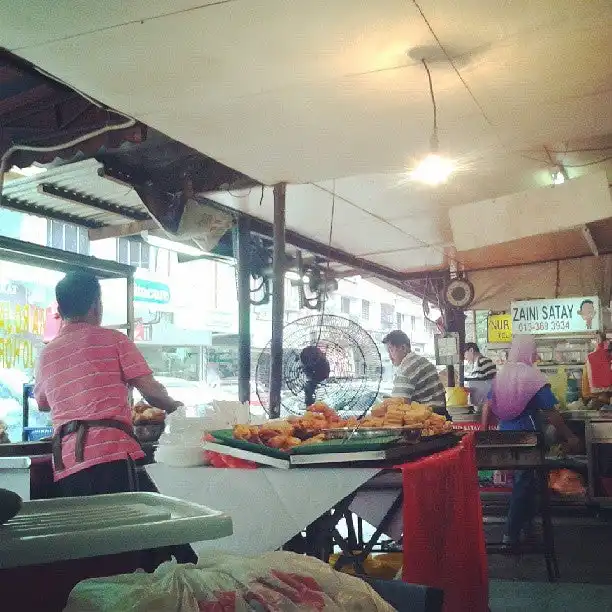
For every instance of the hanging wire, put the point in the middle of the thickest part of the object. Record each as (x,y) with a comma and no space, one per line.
(591,163)
(433,102)
(329,248)
(452,63)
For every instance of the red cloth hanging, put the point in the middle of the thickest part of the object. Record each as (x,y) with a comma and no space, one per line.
(443,540)
(599,368)
(53,323)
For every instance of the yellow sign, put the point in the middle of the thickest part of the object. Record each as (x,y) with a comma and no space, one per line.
(18,323)
(499,329)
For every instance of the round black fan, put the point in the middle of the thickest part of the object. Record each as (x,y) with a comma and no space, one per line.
(328,359)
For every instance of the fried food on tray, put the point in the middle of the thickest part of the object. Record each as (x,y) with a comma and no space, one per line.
(314,440)
(396,412)
(296,430)
(142,414)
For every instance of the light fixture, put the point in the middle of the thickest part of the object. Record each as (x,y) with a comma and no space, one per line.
(558,176)
(435,168)
(172,245)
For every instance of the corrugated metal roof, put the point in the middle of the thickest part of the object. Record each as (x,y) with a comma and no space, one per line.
(72,182)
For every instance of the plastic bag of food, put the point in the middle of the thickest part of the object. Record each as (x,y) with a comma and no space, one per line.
(273,582)
(566,482)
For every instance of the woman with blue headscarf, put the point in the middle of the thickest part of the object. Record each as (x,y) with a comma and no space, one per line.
(521,399)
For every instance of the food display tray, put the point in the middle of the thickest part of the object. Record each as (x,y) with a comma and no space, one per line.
(350,452)
(407,434)
(356,444)
(50,530)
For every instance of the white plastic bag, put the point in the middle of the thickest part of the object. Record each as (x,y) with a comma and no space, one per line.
(274,582)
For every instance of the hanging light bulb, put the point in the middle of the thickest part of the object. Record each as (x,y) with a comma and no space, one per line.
(434,169)
(557,176)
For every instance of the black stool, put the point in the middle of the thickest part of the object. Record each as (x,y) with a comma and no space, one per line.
(521,450)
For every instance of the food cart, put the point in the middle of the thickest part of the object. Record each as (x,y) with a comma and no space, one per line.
(565,331)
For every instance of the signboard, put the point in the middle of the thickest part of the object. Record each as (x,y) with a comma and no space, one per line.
(499,329)
(556,316)
(20,325)
(151,292)
(447,348)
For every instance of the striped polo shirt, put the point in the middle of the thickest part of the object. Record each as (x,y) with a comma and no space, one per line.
(83,374)
(417,380)
(484,369)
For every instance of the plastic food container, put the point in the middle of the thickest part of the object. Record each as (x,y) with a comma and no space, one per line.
(15,475)
(176,455)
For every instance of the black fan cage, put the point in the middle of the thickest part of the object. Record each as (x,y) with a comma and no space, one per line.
(355,366)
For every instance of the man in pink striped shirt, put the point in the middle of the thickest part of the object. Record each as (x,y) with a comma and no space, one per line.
(83,378)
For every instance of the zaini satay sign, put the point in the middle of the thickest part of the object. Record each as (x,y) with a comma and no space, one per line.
(556,316)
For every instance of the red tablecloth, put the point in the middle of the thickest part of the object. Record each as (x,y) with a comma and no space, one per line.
(443,541)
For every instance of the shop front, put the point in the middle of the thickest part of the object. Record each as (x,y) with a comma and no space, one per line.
(567,333)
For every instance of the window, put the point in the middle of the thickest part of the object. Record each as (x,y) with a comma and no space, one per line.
(431,327)
(67,237)
(134,253)
(345,305)
(365,310)
(413,320)
(400,320)
(387,319)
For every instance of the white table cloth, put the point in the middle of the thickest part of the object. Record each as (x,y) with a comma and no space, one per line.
(268,506)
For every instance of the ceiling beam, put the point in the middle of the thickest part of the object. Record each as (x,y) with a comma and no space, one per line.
(151,199)
(121,231)
(304,243)
(74,197)
(588,236)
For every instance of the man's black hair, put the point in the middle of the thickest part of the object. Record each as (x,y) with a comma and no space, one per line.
(76,293)
(397,338)
(471,345)
(586,302)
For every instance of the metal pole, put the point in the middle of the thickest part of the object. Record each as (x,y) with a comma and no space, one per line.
(244,309)
(278,300)
(130,306)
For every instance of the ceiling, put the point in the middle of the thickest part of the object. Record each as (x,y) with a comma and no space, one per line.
(324,96)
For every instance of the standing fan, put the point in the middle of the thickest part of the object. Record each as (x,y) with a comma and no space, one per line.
(328,359)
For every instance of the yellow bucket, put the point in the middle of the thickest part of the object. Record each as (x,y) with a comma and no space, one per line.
(457,396)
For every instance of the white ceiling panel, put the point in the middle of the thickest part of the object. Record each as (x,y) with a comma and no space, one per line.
(310,90)
(411,260)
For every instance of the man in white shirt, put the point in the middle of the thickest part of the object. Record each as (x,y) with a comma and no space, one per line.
(480,377)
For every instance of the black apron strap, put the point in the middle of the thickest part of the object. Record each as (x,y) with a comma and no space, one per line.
(81,428)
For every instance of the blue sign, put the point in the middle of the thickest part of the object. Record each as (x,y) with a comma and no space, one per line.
(151,292)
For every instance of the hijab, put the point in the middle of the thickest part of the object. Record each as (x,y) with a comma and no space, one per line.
(518,381)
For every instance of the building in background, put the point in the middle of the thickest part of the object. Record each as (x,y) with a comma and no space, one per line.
(187,313)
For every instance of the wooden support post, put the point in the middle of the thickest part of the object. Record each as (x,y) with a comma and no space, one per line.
(278,300)
(244,309)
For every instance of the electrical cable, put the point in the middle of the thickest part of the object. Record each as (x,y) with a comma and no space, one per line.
(4,160)
(585,150)
(433,102)
(452,63)
(329,248)
(591,163)
(369,213)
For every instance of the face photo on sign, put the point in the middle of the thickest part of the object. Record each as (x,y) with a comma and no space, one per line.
(587,312)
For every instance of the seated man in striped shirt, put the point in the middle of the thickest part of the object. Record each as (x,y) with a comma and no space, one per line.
(482,367)
(416,378)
